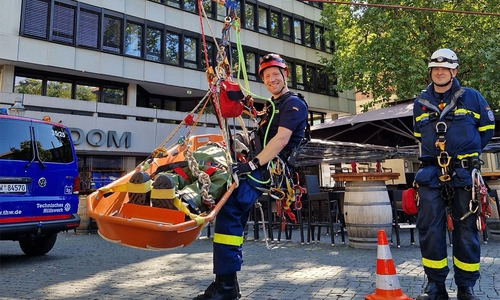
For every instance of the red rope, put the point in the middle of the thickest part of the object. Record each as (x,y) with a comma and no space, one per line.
(204,42)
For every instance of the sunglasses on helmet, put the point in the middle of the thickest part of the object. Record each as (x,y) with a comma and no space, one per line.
(271,57)
(442,59)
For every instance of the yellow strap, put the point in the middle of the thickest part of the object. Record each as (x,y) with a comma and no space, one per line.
(434,264)
(465,266)
(462,156)
(163,193)
(139,188)
(226,239)
(178,204)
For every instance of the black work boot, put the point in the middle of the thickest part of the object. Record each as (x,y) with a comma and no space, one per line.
(466,293)
(225,287)
(434,291)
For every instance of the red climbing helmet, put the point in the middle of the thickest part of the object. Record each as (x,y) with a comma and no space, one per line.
(272,60)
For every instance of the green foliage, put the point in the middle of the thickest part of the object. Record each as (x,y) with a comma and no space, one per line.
(384,51)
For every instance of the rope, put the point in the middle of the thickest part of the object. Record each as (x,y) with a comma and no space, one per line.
(203,178)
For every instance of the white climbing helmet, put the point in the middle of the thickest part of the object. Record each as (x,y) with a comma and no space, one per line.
(444,58)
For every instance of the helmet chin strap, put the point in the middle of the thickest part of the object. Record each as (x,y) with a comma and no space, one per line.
(284,82)
(445,84)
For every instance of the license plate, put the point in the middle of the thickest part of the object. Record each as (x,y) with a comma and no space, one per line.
(12,188)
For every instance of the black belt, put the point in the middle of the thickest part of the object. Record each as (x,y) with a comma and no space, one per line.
(466,163)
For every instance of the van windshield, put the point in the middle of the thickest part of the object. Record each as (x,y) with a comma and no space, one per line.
(53,142)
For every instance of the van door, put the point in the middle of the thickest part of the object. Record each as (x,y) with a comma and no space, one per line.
(16,153)
(53,173)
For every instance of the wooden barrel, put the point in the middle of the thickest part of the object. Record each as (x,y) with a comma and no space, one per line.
(367,209)
(84,227)
(493,223)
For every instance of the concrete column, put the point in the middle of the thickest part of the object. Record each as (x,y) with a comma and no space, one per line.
(6,78)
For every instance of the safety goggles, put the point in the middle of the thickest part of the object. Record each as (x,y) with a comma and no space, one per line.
(442,59)
(271,57)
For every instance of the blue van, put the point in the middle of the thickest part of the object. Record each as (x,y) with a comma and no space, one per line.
(39,182)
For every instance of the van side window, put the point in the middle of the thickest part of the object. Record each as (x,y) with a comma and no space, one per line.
(15,141)
(53,143)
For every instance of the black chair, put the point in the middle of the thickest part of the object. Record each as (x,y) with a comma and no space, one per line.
(492,221)
(266,203)
(401,220)
(321,211)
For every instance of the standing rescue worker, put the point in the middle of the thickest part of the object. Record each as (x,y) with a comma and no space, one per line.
(286,132)
(453,124)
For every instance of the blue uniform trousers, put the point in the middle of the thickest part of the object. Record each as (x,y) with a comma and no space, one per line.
(431,224)
(230,224)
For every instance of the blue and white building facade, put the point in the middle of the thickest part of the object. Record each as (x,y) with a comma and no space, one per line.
(122,74)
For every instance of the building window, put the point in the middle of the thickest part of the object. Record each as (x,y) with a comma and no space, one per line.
(263,20)
(275,24)
(39,83)
(88,28)
(36,18)
(87,92)
(297,31)
(249,16)
(322,81)
(172,48)
(318,37)
(221,12)
(173,3)
(208,7)
(113,95)
(153,44)
(310,79)
(190,5)
(133,39)
(111,36)
(63,24)
(28,85)
(251,65)
(308,34)
(329,46)
(59,89)
(190,52)
(210,46)
(299,77)
(287,28)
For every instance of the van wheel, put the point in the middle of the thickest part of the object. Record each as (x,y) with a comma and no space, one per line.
(38,246)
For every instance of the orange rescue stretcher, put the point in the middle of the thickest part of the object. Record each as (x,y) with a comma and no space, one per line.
(148,227)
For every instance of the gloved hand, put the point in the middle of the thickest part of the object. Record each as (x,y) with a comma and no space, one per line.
(241,168)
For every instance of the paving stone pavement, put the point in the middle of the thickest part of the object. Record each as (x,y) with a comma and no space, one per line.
(88,267)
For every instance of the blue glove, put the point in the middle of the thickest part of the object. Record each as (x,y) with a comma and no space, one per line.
(241,168)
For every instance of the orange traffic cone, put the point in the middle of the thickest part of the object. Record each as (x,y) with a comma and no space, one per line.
(387,285)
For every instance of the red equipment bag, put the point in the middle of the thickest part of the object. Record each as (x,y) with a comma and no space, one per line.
(409,201)
(230,98)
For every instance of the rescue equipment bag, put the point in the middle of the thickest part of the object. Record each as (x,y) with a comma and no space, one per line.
(409,201)
(230,98)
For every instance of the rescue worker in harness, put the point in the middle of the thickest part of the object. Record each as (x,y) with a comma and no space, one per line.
(284,133)
(453,124)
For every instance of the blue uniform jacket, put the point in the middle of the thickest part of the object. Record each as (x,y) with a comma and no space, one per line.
(470,125)
(291,113)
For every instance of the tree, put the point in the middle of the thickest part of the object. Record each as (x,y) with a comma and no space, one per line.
(385,51)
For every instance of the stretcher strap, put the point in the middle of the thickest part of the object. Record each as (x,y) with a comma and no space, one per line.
(139,188)
(178,204)
(163,193)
